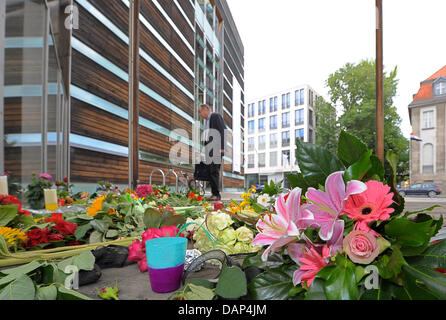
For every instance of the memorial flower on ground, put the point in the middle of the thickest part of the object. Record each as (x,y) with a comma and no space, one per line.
(13,236)
(96,206)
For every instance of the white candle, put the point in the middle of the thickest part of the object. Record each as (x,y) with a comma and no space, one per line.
(50,196)
(4,185)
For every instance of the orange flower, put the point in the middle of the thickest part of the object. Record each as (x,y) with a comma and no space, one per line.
(96,206)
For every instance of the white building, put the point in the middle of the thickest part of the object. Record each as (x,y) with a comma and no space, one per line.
(272,123)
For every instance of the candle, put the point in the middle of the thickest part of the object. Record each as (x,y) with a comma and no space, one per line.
(4,185)
(50,199)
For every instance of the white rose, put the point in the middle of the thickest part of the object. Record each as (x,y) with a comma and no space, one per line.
(244,234)
(263,200)
(221,220)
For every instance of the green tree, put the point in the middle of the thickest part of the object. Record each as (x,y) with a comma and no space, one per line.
(327,128)
(353,89)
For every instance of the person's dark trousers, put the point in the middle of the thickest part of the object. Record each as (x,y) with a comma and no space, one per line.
(214,178)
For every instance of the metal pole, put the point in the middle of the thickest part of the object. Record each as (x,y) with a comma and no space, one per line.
(379,83)
(133,94)
(2,77)
(410,161)
(44,114)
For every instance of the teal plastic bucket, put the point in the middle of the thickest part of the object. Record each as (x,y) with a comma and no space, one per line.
(165,259)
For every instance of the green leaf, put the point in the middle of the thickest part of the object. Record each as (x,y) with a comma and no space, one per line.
(199,293)
(390,266)
(98,225)
(274,284)
(413,236)
(82,230)
(67,294)
(316,163)
(85,217)
(201,283)
(14,273)
(377,170)
(316,290)
(410,213)
(47,293)
(359,169)
(96,237)
(434,256)
(231,283)
(7,214)
(152,218)
(297,180)
(171,220)
(84,261)
(20,289)
(350,148)
(341,282)
(112,233)
(423,282)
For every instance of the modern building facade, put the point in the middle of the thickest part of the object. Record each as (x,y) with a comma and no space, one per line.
(273,123)
(84,95)
(428,119)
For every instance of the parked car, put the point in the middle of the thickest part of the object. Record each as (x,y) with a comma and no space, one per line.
(428,188)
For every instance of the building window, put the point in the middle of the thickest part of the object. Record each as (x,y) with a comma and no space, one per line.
(275,103)
(261,124)
(262,159)
(271,105)
(251,126)
(440,88)
(283,101)
(273,159)
(273,140)
(262,107)
(251,110)
(251,163)
(285,120)
(428,158)
(302,96)
(310,117)
(428,119)
(285,139)
(296,97)
(300,134)
(262,142)
(288,100)
(286,158)
(251,144)
(310,136)
(299,119)
(310,98)
(273,122)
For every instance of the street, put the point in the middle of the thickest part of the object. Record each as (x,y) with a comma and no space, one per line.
(414,203)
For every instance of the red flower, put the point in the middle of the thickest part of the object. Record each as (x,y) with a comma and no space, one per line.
(55,237)
(157,192)
(7,199)
(55,218)
(66,228)
(57,183)
(37,236)
(199,198)
(61,202)
(191,195)
(218,205)
(65,180)
(144,190)
(137,251)
(142,264)
(72,243)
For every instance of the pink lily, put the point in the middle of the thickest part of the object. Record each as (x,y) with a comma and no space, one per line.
(278,230)
(327,206)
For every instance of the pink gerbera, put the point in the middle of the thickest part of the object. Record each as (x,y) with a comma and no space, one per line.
(311,262)
(144,190)
(371,205)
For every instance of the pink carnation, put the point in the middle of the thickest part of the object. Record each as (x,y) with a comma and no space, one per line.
(361,247)
(144,190)
(142,264)
(46,176)
(137,251)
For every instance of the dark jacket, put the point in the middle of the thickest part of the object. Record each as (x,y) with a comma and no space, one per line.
(216,122)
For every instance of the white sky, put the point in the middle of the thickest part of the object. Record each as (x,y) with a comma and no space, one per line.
(293,42)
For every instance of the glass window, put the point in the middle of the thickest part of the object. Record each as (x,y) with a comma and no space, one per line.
(299,119)
(273,159)
(296,97)
(273,140)
(302,96)
(262,142)
(260,108)
(251,144)
(288,100)
(310,98)
(285,120)
(285,139)
(440,88)
(263,106)
(262,159)
(286,158)
(428,158)
(251,126)
(251,110)
(300,134)
(428,119)
(283,101)
(310,136)
(273,122)
(310,117)
(271,105)
(275,103)
(251,163)
(261,124)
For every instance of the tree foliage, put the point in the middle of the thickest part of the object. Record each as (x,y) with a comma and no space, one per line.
(352,89)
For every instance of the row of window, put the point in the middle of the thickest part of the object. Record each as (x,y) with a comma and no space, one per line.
(440,88)
(286,121)
(273,142)
(273,161)
(299,99)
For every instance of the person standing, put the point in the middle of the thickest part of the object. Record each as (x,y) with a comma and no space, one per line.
(215,129)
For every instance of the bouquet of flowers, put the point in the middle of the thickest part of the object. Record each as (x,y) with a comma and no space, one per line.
(35,193)
(341,233)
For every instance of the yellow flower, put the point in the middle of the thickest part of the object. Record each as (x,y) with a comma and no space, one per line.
(96,206)
(112,212)
(12,236)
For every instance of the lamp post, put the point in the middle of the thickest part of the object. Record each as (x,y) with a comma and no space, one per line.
(379,82)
